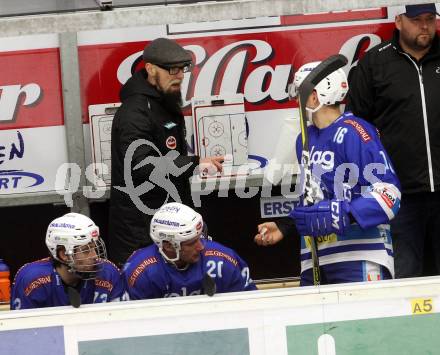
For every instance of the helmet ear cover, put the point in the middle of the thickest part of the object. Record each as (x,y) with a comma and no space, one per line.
(175,223)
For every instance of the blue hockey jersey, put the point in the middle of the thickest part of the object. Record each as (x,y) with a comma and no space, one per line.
(148,275)
(38,284)
(349,163)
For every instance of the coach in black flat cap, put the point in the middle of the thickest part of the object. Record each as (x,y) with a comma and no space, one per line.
(165,52)
(151,123)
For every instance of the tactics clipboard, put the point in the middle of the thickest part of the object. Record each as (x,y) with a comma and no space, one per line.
(220,128)
(101,118)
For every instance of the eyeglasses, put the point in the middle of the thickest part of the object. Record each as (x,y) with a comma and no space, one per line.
(176,70)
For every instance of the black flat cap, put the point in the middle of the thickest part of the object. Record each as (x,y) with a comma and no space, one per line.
(163,51)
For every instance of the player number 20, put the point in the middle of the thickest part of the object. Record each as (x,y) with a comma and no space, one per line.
(214,268)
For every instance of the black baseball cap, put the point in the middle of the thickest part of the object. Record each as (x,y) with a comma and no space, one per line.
(167,53)
(416,10)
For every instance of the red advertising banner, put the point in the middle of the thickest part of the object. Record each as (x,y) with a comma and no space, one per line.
(30,89)
(256,63)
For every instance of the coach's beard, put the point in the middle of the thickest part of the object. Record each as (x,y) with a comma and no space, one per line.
(173,101)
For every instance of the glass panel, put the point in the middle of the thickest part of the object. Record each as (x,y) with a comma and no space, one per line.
(29,7)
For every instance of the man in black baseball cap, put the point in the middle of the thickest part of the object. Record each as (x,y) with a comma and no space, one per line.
(395,86)
(416,10)
(151,118)
(417,27)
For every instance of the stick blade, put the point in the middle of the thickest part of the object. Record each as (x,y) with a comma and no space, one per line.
(74,297)
(209,286)
(326,67)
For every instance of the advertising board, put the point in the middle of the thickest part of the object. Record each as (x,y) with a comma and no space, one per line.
(387,317)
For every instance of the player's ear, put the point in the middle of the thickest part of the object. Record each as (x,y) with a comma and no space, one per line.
(314,97)
(167,247)
(61,253)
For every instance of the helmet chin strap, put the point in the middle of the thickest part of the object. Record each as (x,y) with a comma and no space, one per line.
(173,261)
(83,275)
(311,111)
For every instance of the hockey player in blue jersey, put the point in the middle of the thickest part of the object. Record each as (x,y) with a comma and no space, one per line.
(77,261)
(356,192)
(182,258)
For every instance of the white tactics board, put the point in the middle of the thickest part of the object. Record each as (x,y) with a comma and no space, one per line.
(220,129)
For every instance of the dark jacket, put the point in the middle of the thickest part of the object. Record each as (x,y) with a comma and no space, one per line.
(158,128)
(401,97)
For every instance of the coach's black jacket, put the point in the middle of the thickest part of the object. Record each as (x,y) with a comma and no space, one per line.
(144,115)
(401,97)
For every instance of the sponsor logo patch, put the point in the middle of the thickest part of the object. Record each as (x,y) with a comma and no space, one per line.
(171,142)
(172,209)
(140,269)
(170,125)
(62,225)
(220,254)
(361,130)
(166,222)
(388,197)
(36,284)
(104,284)
(324,158)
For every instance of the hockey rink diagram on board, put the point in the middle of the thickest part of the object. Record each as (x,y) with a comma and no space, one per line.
(218,137)
(101,118)
(220,130)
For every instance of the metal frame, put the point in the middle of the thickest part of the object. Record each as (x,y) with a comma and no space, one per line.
(72,114)
(68,24)
(180,13)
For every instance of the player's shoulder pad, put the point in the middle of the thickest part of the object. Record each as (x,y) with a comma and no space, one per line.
(135,267)
(140,253)
(35,269)
(216,250)
(358,127)
(108,265)
(34,275)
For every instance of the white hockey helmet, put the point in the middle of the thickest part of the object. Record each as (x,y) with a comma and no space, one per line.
(72,231)
(175,223)
(330,90)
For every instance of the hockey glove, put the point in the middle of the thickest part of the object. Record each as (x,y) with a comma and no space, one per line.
(322,218)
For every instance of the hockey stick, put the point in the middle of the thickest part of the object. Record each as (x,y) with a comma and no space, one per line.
(74,296)
(325,68)
(208,285)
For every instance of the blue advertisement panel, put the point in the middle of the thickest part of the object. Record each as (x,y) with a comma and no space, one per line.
(35,341)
